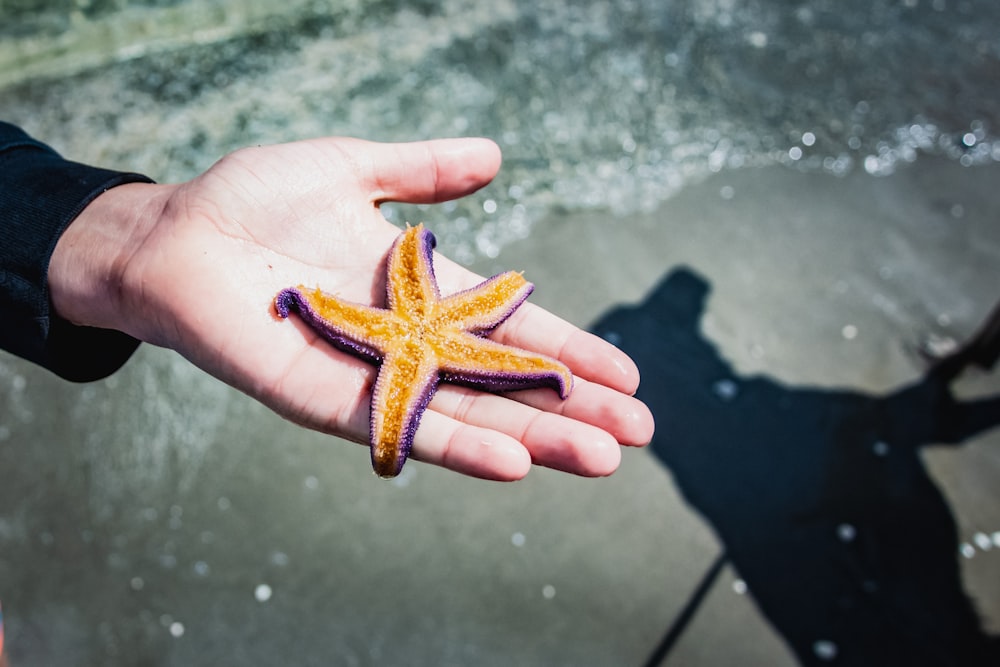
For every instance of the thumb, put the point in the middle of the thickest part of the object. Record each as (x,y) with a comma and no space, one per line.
(430,171)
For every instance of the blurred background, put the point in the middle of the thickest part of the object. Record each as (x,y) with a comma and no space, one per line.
(778,208)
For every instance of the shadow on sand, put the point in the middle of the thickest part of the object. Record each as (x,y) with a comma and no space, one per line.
(820,497)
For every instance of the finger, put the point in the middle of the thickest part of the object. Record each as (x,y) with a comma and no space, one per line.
(469,449)
(552,440)
(624,417)
(534,328)
(431,171)
(482,435)
(588,356)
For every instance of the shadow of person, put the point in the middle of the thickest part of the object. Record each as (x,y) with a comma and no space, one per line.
(820,497)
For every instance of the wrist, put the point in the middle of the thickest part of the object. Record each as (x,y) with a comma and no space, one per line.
(88,269)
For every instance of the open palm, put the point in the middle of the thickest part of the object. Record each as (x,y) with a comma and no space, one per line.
(200,272)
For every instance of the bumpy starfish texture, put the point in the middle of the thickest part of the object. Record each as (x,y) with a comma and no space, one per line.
(421,339)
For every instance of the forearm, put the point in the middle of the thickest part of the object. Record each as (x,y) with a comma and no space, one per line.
(40,196)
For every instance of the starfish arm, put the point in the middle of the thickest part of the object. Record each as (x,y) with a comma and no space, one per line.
(486,364)
(482,308)
(411,289)
(353,328)
(406,382)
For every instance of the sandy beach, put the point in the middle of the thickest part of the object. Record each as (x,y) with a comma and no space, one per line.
(817,284)
(237,537)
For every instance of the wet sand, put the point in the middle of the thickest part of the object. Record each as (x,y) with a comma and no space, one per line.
(816,284)
(161,518)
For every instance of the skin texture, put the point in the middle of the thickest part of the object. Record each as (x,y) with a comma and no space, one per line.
(139,257)
(421,338)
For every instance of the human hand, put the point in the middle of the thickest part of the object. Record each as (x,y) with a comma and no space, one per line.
(195,267)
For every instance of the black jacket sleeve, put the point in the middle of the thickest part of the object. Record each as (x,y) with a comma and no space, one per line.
(40,195)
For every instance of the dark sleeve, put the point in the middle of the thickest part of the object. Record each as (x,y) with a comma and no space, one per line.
(40,195)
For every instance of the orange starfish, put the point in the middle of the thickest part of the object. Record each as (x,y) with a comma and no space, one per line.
(421,339)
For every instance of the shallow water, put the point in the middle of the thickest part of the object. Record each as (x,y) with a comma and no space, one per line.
(595,105)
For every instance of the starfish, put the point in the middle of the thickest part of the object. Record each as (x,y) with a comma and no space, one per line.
(421,339)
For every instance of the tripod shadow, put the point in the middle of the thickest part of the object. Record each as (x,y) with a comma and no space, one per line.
(820,497)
